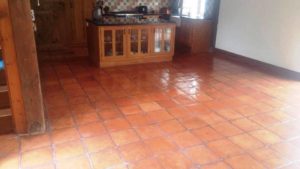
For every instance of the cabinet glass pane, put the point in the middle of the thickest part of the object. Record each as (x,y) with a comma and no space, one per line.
(108,46)
(134,41)
(167,39)
(119,42)
(158,40)
(144,41)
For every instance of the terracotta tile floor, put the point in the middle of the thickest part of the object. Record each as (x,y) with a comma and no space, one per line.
(188,114)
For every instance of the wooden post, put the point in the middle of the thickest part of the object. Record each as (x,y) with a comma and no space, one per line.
(22,66)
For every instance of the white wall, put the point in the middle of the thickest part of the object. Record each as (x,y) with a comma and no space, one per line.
(265,30)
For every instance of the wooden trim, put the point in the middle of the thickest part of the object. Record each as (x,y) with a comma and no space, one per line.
(12,70)
(258,65)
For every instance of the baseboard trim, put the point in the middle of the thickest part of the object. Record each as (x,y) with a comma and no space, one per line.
(258,65)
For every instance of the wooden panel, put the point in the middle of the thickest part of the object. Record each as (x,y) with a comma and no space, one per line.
(196,34)
(6,121)
(201,36)
(93,37)
(13,80)
(28,64)
(4,98)
(61,25)
(53,24)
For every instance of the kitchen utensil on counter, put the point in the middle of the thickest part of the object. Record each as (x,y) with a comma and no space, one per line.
(106,10)
(97,11)
(142,9)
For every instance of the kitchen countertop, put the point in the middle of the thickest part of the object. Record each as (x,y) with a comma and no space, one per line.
(114,21)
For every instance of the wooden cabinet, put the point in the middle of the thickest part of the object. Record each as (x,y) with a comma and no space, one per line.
(195,34)
(113,42)
(139,41)
(163,40)
(131,44)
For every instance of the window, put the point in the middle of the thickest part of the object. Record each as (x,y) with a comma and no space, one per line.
(193,8)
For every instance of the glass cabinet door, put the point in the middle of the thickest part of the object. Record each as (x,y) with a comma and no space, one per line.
(144,49)
(167,39)
(119,43)
(108,43)
(134,41)
(158,35)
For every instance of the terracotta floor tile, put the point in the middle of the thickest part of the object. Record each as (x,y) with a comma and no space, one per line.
(244,162)
(9,161)
(229,114)
(159,116)
(130,110)
(57,112)
(45,166)
(174,160)
(246,124)
(247,110)
(135,151)
(265,136)
(106,159)
(110,113)
(85,118)
(92,129)
(75,163)
(224,148)
(146,132)
(180,112)
(287,150)
(171,126)
(160,144)
(94,144)
(125,101)
(219,165)
(168,103)
(193,123)
(227,129)
(78,100)
(36,157)
(201,155)
(150,106)
(269,158)
(205,109)
(138,120)
(62,122)
(123,137)
(246,141)
(285,131)
(64,135)
(146,164)
(68,149)
(9,144)
(185,139)
(33,142)
(211,118)
(264,120)
(198,108)
(184,100)
(207,134)
(117,124)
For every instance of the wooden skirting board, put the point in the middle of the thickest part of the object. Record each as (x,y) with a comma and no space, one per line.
(262,66)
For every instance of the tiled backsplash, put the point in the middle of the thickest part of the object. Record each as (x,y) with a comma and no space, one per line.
(122,5)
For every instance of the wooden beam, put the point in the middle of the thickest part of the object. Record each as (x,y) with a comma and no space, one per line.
(12,70)
(23,34)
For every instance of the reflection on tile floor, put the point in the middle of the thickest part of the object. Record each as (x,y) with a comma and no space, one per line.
(188,114)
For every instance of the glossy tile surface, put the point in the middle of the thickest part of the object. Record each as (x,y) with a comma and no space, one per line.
(192,113)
